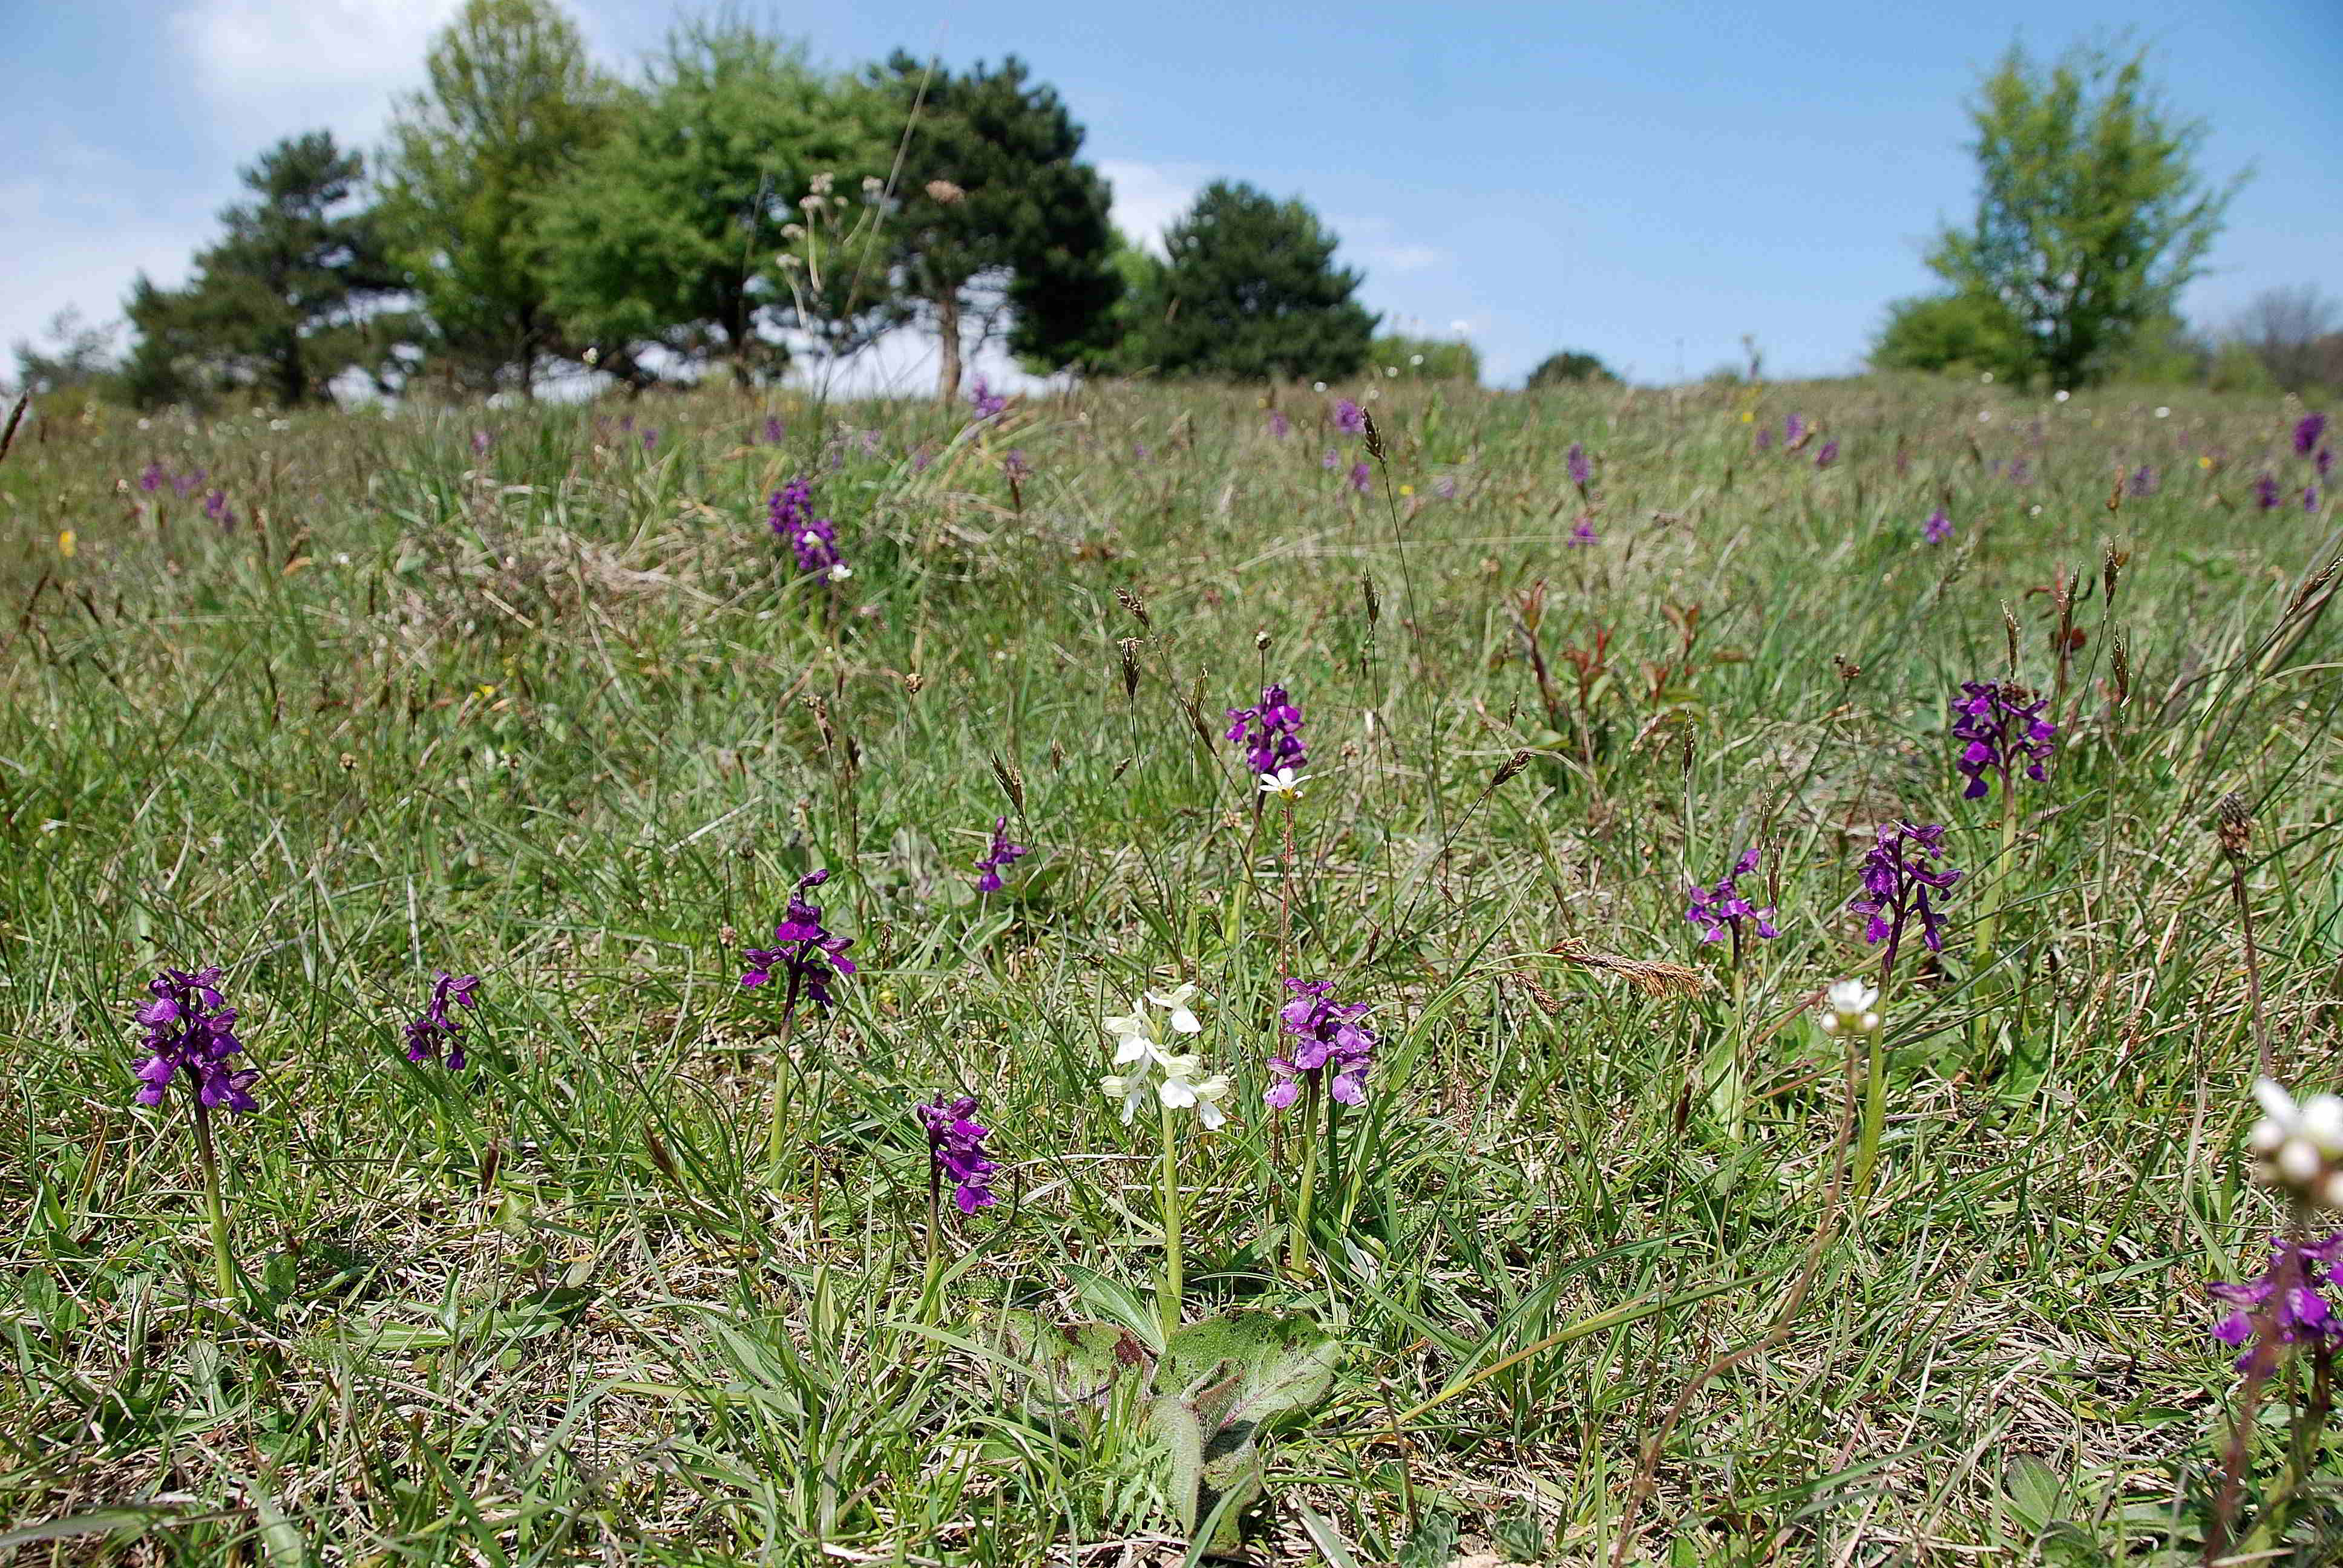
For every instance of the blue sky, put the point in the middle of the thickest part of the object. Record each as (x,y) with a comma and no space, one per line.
(1647,181)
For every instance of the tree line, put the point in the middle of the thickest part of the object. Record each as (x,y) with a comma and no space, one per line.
(733,209)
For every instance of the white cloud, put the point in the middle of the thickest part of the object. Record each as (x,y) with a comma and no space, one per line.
(273,68)
(1148,196)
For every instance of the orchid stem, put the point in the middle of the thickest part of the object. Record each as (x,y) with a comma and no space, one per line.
(215,1210)
(1168,1303)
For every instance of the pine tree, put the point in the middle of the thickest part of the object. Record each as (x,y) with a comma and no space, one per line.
(285,302)
(993,207)
(1249,290)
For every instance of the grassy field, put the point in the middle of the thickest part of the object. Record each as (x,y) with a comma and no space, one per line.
(537,695)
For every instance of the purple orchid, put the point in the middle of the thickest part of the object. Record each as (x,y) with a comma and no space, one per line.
(424,1034)
(1937,529)
(1720,911)
(191,1030)
(1897,880)
(1271,732)
(804,952)
(2005,731)
(999,854)
(2264,1318)
(1349,417)
(956,1152)
(1330,1046)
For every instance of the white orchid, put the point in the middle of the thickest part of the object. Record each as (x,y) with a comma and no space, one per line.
(2299,1147)
(1851,1007)
(1175,1003)
(1187,1087)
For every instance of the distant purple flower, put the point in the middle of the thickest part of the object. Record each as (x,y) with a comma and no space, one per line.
(1014,464)
(871,440)
(956,1151)
(1349,417)
(1937,529)
(2021,472)
(2309,497)
(1330,1046)
(2266,492)
(1764,437)
(1279,424)
(216,508)
(1827,454)
(2325,460)
(2143,483)
(481,442)
(986,403)
(1792,429)
(1138,452)
(424,1035)
(2005,729)
(2302,1311)
(804,952)
(1445,487)
(1581,469)
(1583,534)
(774,430)
(921,459)
(813,540)
(1331,460)
(2307,433)
(151,477)
(1271,733)
(1361,477)
(650,439)
(190,1030)
(999,854)
(186,484)
(1718,911)
(1896,884)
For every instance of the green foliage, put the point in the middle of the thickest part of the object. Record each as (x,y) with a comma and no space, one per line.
(512,107)
(1210,1393)
(1430,358)
(538,712)
(993,201)
(666,234)
(285,302)
(1248,291)
(2236,368)
(1567,367)
(1953,332)
(2091,216)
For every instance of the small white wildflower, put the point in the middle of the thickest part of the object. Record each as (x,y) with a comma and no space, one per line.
(841,572)
(2061,396)
(1987,378)
(1285,781)
(2164,413)
(2299,1147)
(1851,1007)
(1416,360)
(1318,385)
(1985,417)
